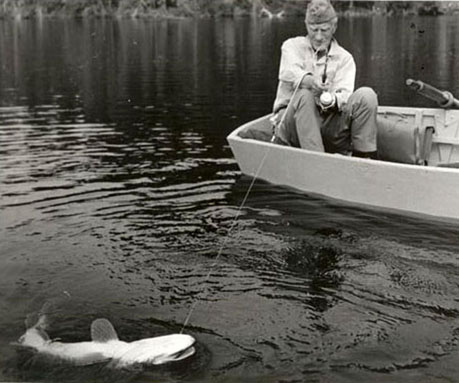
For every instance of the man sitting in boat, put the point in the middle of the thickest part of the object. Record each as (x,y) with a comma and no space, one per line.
(316,107)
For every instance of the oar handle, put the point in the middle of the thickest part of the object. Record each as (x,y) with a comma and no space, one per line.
(443,98)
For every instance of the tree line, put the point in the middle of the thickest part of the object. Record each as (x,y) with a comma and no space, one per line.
(190,8)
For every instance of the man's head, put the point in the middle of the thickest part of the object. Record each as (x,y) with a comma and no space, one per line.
(321,22)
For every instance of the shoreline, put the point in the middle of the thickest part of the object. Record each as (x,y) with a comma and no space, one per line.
(170,9)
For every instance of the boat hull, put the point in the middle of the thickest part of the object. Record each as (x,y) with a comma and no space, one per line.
(427,190)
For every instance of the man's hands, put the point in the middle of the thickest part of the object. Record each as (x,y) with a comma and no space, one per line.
(327,100)
(320,90)
(315,84)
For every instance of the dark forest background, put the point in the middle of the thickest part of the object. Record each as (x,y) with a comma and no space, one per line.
(204,8)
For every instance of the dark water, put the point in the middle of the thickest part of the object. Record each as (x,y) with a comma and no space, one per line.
(117,191)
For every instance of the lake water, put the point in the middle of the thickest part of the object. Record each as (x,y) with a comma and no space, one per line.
(118,189)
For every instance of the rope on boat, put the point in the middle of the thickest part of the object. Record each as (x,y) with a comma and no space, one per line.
(238,213)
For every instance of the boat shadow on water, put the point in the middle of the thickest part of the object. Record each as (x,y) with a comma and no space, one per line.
(290,209)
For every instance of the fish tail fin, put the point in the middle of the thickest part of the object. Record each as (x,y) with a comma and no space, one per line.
(29,338)
(40,319)
(103,331)
(43,322)
(31,320)
(37,320)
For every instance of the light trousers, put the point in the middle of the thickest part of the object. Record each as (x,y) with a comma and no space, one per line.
(352,129)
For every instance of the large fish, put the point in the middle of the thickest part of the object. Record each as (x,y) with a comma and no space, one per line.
(105,345)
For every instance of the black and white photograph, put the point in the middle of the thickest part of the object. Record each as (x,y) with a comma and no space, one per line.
(229,191)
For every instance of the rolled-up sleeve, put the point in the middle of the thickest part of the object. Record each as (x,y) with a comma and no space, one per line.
(344,81)
(292,66)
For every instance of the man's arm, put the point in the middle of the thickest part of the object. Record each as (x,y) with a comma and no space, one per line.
(292,66)
(344,81)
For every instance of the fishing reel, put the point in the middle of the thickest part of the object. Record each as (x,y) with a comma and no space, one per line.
(327,100)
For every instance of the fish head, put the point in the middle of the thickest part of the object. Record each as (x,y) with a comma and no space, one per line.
(180,347)
(158,350)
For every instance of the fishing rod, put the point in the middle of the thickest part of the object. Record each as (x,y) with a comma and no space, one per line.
(443,98)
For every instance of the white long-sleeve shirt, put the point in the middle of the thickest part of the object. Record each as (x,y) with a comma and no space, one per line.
(298,58)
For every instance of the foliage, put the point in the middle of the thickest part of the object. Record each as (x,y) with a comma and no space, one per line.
(179,8)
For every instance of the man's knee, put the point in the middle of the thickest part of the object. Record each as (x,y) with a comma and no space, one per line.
(367,97)
(364,125)
(304,97)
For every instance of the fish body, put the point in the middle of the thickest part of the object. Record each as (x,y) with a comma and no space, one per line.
(105,346)
(157,350)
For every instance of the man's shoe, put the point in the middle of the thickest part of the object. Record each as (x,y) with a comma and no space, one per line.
(370,155)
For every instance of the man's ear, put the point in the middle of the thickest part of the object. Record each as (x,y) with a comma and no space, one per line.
(335,26)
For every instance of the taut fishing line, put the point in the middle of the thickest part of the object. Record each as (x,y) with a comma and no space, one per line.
(233,223)
(236,217)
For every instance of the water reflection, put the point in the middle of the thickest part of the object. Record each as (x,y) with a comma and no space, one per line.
(142,63)
(118,190)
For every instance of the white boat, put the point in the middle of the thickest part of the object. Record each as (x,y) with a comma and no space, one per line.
(418,173)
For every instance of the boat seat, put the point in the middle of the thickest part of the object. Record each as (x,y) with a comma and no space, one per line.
(400,140)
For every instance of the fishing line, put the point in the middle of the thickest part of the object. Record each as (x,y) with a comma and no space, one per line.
(236,217)
(233,223)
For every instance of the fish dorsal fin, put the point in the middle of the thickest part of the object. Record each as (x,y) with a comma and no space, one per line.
(102,331)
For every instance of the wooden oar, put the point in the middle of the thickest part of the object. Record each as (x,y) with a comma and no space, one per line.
(443,98)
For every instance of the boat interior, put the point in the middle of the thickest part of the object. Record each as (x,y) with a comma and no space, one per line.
(417,136)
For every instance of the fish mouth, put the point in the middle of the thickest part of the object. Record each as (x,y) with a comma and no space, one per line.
(183,354)
(179,355)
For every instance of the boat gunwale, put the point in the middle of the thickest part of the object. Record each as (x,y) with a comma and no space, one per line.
(372,162)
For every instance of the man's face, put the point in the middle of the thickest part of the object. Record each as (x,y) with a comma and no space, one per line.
(321,34)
